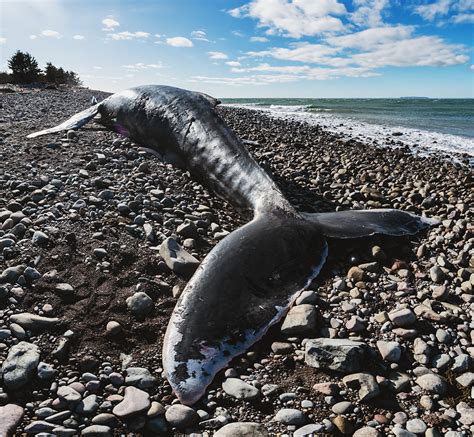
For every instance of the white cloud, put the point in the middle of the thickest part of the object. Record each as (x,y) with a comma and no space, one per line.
(179,41)
(78,37)
(369,38)
(371,49)
(142,66)
(51,34)
(97,67)
(463,18)
(301,52)
(217,55)
(368,12)
(464,5)
(430,11)
(233,63)
(294,18)
(119,36)
(33,37)
(3,40)
(472,67)
(110,24)
(258,79)
(238,33)
(199,35)
(420,51)
(258,39)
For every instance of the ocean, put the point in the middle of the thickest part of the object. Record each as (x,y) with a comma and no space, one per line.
(426,125)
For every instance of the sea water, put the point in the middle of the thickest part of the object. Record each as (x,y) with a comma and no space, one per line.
(426,125)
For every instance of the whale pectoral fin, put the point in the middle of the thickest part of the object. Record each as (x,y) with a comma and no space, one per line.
(75,122)
(364,223)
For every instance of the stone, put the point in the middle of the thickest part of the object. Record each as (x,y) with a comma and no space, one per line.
(309,430)
(390,350)
(432,383)
(356,274)
(366,431)
(342,407)
(97,431)
(45,371)
(105,419)
(301,319)
(135,401)
(282,348)
(368,387)
(240,389)
(326,388)
(343,424)
(402,318)
(33,322)
(177,259)
(342,355)
(20,365)
(181,416)
(156,409)
(466,412)
(140,304)
(39,426)
(69,394)
(242,429)
(399,382)
(140,377)
(88,405)
(416,426)
(113,328)
(65,290)
(290,416)
(436,274)
(40,238)
(461,363)
(10,418)
(466,379)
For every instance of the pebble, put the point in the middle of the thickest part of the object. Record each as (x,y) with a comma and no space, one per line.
(417,426)
(177,259)
(140,304)
(301,319)
(134,401)
(20,365)
(366,431)
(342,355)
(402,318)
(342,407)
(10,417)
(290,416)
(97,431)
(390,350)
(181,416)
(140,377)
(33,321)
(243,429)
(240,389)
(113,328)
(368,387)
(432,383)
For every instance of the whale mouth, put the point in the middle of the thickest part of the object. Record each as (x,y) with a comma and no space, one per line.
(235,296)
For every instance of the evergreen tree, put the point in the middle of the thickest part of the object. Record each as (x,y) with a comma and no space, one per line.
(50,73)
(24,68)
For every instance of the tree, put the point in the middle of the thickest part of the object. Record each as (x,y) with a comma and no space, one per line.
(24,67)
(72,78)
(50,73)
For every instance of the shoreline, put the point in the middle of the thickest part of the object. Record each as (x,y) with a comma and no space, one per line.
(86,212)
(423,142)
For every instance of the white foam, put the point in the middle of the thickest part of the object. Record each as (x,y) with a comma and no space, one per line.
(419,141)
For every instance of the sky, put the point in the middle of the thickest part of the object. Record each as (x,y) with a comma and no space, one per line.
(257,48)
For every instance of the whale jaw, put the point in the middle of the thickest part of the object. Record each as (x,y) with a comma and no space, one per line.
(246,284)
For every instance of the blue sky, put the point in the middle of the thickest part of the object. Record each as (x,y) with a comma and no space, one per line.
(258,48)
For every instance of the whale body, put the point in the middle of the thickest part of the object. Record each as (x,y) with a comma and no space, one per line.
(250,279)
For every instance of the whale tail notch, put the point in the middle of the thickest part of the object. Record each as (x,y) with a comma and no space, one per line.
(75,122)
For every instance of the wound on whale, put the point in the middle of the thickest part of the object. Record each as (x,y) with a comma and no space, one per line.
(250,279)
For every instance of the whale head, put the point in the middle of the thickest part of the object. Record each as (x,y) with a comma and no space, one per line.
(245,284)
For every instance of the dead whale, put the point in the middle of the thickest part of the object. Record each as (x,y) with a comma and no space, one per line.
(252,277)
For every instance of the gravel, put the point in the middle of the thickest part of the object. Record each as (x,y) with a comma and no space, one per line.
(99,214)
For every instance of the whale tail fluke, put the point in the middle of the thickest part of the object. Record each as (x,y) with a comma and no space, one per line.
(75,122)
(364,223)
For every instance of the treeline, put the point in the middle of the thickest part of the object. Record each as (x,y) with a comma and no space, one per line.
(25,70)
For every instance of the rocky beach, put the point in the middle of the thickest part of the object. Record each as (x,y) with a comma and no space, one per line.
(380,344)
